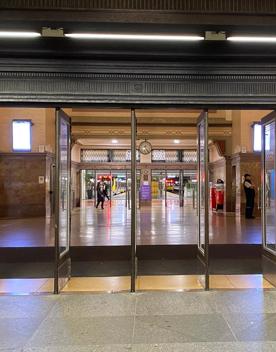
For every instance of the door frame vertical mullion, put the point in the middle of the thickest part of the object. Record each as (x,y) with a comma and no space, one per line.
(206,200)
(133,201)
(263,181)
(57,191)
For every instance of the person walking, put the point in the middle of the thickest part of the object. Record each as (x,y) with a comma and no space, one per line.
(100,195)
(106,191)
(249,190)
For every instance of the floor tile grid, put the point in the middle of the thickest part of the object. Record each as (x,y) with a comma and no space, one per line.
(134,322)
(220,304)
(40,324)
(158,317)
(230,328)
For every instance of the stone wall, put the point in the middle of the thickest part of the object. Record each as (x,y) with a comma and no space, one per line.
(24,184)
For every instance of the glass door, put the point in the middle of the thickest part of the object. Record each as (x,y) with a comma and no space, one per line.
(203,195)
(268,197)
(62,204)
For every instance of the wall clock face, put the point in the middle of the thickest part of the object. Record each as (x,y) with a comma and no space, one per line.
(145,147)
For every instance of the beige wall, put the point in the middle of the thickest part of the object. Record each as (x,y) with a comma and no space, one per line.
(236,131)
(75,153)
(43,129)
(145,158)
(213,154)
(242,131)
(50,130)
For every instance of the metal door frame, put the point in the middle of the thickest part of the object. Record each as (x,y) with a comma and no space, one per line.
(203,255)
(62,258)
(270,118)
(133,202)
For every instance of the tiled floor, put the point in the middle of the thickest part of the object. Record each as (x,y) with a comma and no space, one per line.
(156,225)
(215,321)
(143,283)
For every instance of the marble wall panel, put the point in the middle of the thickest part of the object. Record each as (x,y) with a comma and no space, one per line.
(22,192)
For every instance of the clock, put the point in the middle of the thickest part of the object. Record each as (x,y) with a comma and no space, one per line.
(145,147)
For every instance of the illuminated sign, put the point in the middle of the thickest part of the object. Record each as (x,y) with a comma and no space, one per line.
(21,135)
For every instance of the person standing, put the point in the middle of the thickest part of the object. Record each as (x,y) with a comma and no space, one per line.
(249,190)
(100,195)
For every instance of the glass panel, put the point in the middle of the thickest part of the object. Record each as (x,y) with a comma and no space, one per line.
(123,155)
(128,155)
(97,155)
(171,156)
(189,185)
(269,168)
(189,156)
(202,190)
(64,205)
(158,155)
(119,155)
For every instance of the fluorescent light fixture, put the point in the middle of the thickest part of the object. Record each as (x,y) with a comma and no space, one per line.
(149,37)
(176,141)
(114,141)
(252,39)
(21,135)
(11,34)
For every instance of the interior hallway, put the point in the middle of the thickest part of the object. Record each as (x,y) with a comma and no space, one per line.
(157,225)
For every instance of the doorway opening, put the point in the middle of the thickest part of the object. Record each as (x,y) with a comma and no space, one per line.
(181,227)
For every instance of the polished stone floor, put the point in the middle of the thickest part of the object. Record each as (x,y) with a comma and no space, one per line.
(215,321)
(157,225)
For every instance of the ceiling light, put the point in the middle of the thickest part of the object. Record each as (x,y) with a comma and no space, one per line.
(150,37)
(5,34)
(176,141)
(114,141)
(252,39)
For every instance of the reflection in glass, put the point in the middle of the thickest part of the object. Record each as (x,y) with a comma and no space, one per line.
(269,168)
(202,191)
(64,216)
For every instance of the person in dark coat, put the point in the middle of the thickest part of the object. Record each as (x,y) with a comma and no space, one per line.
(106,189)
(100,195)
(249,190)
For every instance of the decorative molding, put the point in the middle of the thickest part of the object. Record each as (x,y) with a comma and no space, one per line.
(187,6)
(155,132)
(139,88)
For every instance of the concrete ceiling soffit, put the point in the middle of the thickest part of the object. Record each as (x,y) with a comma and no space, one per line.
(187,6)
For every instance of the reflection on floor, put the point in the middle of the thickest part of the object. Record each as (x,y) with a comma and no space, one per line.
(143,283)
(157,225)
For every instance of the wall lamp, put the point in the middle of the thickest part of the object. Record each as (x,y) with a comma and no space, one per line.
(145,37)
